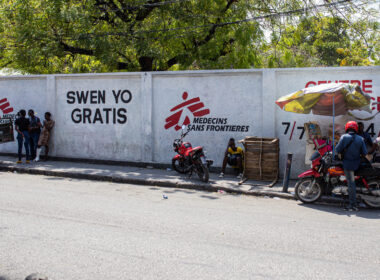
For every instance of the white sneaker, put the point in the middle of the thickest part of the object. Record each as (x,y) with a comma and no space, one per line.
(240,176)
(221,175)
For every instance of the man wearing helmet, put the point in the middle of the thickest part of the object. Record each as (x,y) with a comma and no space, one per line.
(351,147)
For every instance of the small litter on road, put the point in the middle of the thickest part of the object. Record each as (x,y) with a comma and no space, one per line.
(266,196)
(15,172)
(149,167)
(164,196)
(168,169)
(276,198)
(221,191)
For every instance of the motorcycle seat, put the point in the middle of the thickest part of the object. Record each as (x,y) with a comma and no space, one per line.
(368,172)
(193,150)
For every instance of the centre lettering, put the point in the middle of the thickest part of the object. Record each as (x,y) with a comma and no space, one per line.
(99,115)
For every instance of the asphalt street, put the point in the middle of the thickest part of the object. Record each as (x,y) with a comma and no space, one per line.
(78,229)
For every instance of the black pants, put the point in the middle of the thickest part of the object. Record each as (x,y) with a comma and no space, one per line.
(233,159)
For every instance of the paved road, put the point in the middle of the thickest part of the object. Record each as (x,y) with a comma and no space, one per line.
(77,229)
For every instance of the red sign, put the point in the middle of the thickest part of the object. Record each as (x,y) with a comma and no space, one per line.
(5,107)
(366,85)
(194,105)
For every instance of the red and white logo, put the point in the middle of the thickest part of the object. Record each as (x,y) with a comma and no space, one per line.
(5,107)
(192,106)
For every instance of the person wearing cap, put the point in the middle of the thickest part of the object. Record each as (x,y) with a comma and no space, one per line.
(351,146)
(233,157)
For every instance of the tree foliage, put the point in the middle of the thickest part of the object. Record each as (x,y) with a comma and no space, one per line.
(325,41)
(69,36)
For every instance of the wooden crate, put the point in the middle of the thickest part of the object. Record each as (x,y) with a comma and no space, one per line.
(261,158)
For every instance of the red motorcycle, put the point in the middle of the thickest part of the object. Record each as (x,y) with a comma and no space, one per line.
(189,159)
(326,177)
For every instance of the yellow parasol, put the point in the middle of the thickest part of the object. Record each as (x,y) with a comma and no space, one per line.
(322,98)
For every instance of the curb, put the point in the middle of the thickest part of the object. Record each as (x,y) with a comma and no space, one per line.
(182,185)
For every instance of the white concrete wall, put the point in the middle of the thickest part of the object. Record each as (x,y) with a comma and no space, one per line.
(101,127)
(232,103)
(225,95)
(22,93)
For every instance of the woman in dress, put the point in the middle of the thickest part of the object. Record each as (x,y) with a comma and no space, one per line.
(45,136)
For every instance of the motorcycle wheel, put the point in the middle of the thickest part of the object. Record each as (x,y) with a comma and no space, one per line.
(202,171)
(373,203)
(179,166)
(305,193)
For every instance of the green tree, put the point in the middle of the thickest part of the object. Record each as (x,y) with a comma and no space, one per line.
(324,41)
(57,36)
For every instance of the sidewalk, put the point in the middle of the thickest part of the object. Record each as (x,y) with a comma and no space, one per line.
(144,176)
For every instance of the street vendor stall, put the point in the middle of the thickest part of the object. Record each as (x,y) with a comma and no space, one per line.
(334,99)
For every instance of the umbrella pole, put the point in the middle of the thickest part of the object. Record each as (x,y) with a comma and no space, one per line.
(333,138)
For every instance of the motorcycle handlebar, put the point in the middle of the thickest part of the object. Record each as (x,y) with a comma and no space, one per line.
(184,134)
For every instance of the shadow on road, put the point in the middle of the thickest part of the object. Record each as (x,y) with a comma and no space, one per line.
(179,190)
(364,213)
(171,191)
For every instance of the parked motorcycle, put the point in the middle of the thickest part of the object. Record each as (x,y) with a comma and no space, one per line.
(326,177)
(189,159)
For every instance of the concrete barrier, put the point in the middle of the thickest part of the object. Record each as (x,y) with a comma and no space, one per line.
(135,116)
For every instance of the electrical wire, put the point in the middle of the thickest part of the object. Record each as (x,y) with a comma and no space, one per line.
(185,28)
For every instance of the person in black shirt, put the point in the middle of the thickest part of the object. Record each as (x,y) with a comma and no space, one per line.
(366,137)
(34,132)
(22,125)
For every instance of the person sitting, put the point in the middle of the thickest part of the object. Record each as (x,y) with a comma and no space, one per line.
(233,157)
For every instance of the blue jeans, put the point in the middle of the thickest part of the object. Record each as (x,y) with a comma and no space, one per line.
(34,136)
(351,186)
(23,140)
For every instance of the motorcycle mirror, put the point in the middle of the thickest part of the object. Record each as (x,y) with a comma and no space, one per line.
(183,127)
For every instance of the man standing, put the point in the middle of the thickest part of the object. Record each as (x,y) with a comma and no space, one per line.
(351,146)
(234,157)
(35,130)
(22,127)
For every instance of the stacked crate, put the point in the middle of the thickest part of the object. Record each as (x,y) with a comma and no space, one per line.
(261,158)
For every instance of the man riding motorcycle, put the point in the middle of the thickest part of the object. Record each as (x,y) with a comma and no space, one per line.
(351,146)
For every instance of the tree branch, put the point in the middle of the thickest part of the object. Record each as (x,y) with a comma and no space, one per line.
(5,64)
(223,51)
(212,30)
(75,50)
(146,10)
(172,61)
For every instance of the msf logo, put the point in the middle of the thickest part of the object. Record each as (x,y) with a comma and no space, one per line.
(192,107)
(5,107)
